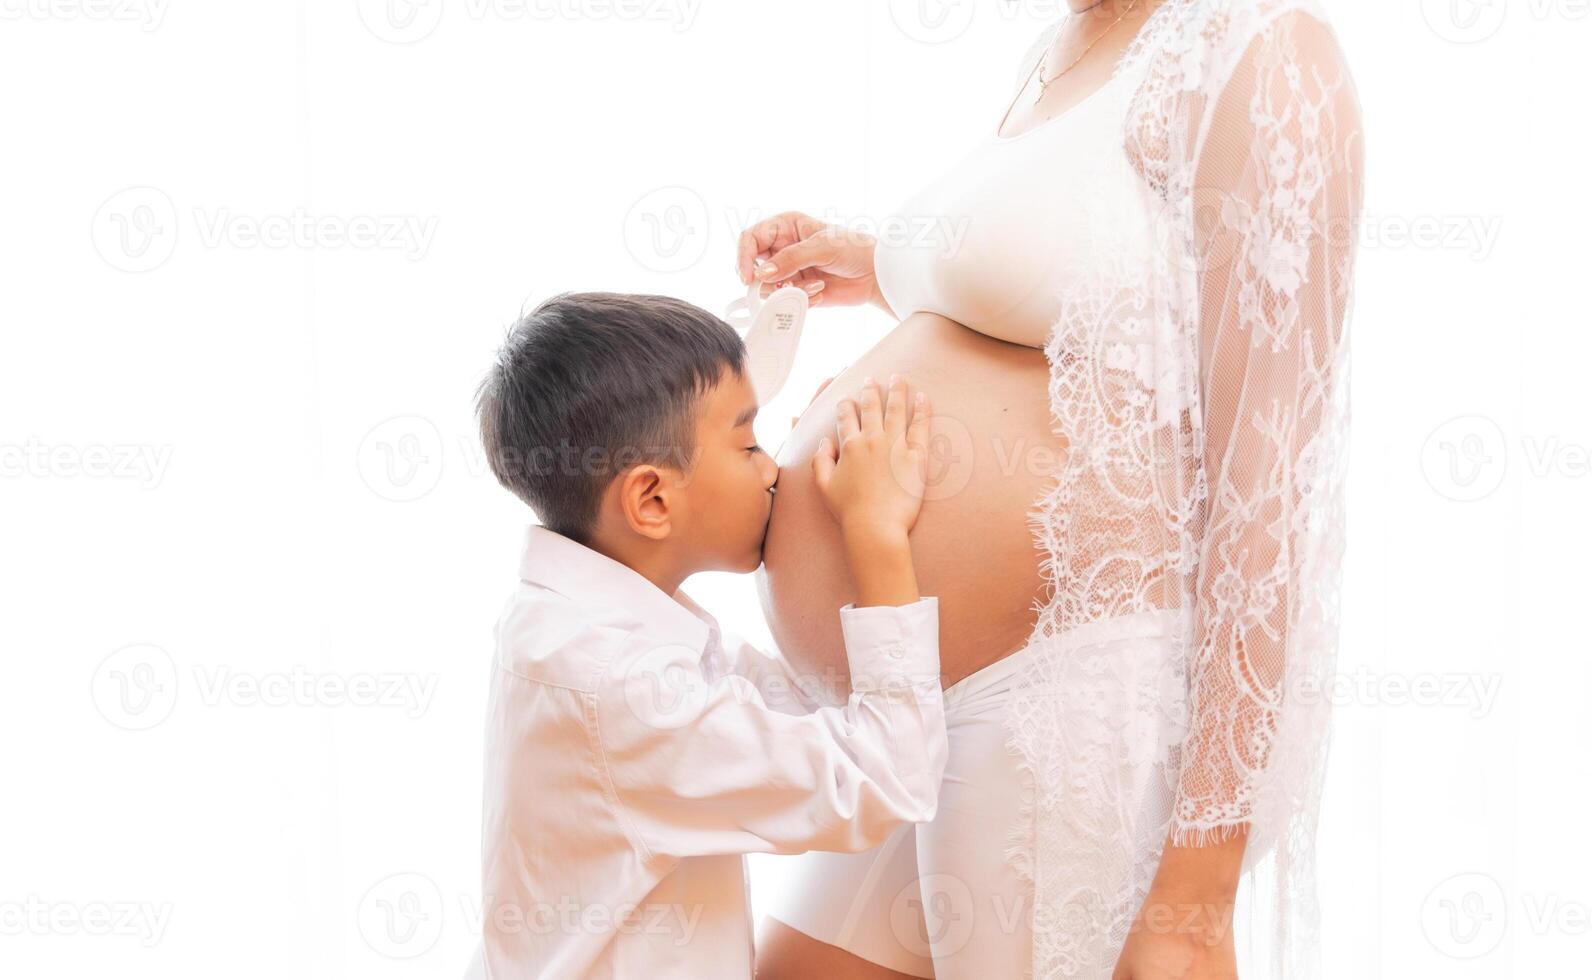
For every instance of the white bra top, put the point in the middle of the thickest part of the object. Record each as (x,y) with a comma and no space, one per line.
(999,235)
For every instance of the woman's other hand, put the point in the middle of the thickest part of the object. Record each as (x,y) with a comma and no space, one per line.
(832,263)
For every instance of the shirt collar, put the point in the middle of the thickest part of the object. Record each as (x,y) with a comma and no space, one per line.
(590,577)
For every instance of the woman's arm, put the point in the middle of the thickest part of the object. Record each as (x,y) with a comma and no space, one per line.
(1277,196)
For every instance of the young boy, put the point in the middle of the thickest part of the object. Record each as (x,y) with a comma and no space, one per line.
(633,753)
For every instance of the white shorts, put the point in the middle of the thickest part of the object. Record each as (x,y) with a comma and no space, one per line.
(941,899)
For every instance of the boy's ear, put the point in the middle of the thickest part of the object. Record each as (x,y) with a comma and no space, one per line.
(646,495)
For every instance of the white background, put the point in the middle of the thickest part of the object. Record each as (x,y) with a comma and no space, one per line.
(235,461)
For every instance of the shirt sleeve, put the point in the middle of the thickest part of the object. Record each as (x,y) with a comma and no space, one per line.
(784,688)
(702,764)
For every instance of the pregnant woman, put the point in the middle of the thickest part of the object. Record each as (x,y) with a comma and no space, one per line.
(1137,349)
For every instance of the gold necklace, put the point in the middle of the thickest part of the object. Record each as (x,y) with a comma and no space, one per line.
(1043,81)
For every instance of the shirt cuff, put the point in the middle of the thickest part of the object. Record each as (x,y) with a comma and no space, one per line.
(893,648)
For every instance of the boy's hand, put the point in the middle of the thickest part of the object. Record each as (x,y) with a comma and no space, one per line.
(872,476)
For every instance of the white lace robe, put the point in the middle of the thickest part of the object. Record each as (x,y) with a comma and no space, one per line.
(1204,398)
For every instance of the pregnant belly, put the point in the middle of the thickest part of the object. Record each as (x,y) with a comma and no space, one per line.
(992,455)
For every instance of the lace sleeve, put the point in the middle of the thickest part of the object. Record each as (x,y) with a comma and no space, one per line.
(1276,201)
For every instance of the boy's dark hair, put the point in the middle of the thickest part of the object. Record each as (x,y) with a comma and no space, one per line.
(588,385)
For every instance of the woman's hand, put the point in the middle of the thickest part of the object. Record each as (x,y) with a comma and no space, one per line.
(1184,929)
(1179,941)
(833,263)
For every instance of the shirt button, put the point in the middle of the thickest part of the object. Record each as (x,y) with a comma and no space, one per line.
(896,651)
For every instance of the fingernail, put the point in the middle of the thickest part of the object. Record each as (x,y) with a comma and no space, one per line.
(764,270)
(867,381)
(813,286)
(894,378)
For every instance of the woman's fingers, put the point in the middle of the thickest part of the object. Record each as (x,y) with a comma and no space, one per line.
(814,250)
(811,282)
(769,236)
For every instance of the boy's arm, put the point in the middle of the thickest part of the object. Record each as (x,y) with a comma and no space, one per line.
(881,563)
(700,766)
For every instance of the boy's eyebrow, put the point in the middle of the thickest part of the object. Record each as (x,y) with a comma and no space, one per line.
(746,416)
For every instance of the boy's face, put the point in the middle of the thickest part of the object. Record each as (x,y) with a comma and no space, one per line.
(729,493)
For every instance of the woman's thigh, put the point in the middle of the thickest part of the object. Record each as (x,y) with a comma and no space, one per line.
(784,953)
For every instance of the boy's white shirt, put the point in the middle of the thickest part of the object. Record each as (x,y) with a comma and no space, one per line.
(634,755)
